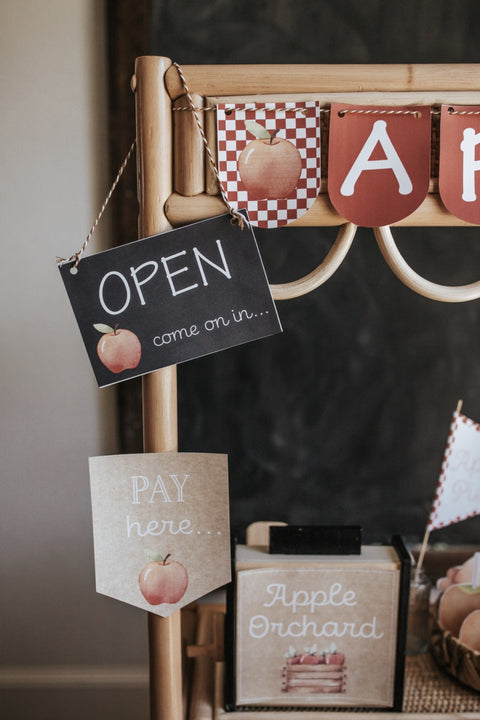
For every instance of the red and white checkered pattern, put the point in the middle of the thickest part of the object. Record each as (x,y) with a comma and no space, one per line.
(297,122)
(458,491)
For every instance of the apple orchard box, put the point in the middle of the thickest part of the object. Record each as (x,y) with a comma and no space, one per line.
(317,631)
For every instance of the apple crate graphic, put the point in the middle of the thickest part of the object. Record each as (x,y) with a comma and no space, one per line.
(269,159)
(313,672)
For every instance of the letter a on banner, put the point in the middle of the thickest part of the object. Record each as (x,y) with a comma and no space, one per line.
(459,176)
(269,159)
(379,162)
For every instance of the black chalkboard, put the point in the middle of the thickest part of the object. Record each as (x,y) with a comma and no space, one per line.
(343,418)
(169,298)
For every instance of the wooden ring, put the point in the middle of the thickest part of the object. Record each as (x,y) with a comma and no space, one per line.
(397,263)
(332,262)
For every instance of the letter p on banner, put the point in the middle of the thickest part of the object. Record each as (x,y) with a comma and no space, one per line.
(379,162)
(459,179)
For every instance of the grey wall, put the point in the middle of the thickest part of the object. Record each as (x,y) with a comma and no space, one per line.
(344,417)
(56,633)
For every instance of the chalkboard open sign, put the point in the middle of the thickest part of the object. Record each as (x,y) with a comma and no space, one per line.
(318,631)
(170,298)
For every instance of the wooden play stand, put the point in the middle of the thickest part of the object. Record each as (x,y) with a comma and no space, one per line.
(176,186)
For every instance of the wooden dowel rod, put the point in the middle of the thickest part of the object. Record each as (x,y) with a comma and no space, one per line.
(201,701)
(188,148)
(154,181)
(159,400)
(257,79)
(432,212)
(211,182)
(166,696)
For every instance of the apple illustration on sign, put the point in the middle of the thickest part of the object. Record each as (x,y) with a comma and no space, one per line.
(163,581)
(269,167)
(118,349)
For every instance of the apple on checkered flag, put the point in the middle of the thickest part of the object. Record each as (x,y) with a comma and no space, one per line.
(269,159)
(458,491)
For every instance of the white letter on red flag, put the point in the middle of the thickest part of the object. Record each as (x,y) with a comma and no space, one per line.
(393,145)
(459,168)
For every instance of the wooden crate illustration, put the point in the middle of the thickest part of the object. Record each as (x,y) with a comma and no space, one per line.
(314,679)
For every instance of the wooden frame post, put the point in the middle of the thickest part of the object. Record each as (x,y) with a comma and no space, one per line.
(154,182)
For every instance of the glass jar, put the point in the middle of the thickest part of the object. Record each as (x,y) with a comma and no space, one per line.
(418,627)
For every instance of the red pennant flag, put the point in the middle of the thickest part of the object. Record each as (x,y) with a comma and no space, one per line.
(458,491)
(269,159)
(459,181)
(379,162)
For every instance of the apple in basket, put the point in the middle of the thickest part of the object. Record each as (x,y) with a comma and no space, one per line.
(118,349)
(163,581)
(457,575)
(470,631)
(269,166)
(456,603)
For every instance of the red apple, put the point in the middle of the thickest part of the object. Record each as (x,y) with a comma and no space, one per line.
(311,656)
(458,575)
(308,659)
(118,349)
(456,603)
(163,581)
(470,631)
(269,166)
(335,659)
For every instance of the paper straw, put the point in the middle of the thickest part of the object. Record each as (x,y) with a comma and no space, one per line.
(476,570)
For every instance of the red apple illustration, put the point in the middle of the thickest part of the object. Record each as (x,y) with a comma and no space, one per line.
(118,349)
(292,657)
(293,660)
(335,658)
(163,581)
(269,166)
(311,656)
(332,656)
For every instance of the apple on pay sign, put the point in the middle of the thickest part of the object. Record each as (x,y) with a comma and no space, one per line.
(161,527)
(170,298)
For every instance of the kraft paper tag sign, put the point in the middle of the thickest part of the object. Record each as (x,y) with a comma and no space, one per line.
(314,631)
(161,527)
(170,298)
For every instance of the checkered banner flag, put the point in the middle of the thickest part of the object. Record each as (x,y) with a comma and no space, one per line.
(458,491)
(269,159)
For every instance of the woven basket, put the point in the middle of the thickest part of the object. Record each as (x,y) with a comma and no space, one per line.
(457,659)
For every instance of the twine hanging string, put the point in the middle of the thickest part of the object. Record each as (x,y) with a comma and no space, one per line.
(236,216)
(378,111)
(77,256)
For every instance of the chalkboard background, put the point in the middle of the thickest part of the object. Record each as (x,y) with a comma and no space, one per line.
(343,418)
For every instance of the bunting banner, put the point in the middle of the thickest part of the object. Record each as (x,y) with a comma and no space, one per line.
(269,159)
(458,165)
(379,162)
(458,491)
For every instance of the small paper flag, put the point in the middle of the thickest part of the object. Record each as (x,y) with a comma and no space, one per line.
(458,491)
